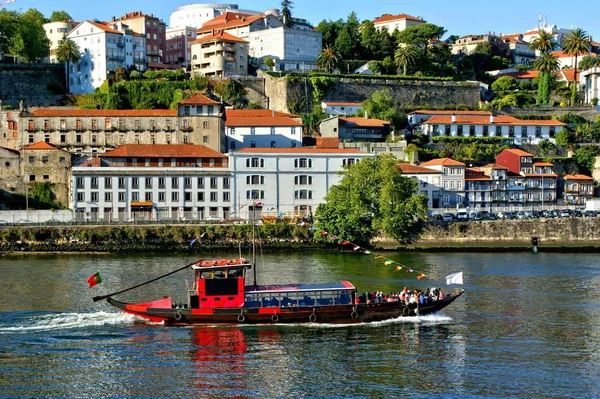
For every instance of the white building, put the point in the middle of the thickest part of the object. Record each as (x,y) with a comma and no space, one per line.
(397,22)
(287,180)
(557,32)
(422,115)
(519,49)
(429,181)
(452,181)
(197,14)
(521,131)
(590,79)
(262,132)
(341,107)
(105,47)
(154,182)
(57,32)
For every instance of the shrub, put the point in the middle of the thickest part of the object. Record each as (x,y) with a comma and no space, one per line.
(55,87)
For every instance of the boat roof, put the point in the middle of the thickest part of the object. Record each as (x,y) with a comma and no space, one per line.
(340,285)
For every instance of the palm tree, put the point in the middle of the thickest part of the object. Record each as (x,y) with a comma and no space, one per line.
(544,42)
(329,59)
(68,51)
(406,55)
(547,64)
(575,43)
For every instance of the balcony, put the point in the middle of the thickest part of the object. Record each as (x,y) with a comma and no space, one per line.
(120,44)
(187,129)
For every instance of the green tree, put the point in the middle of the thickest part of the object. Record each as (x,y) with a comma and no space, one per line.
(586,158)
(576,43)
(547,64)
(420,35)
(565,138)
(329,59)
(330,31)
(286,12)
(369,40)
(588,62)
(60,16)
(505,83)
(572,119)
(373,199)
(269,63)
(543,42)
(381,106)
(9,21)
(234,93)
(406,56)
(68,52)
(30,41)
(348,40)
(41,192)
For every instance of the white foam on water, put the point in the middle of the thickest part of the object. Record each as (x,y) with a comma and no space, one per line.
(63,321)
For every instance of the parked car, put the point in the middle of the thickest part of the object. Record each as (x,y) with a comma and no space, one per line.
(462,216)
(564,214)
(3,223)
(590,214)
(24,221)
(521,215)
(448,217)
(52,221)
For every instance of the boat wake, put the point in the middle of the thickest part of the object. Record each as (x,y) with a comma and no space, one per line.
(426,320)
(63,321)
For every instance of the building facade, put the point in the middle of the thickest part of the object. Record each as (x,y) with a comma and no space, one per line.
(420,116)
(519,49)
(105,47)
(44,163)
(397,22)
(152,28)
(429,181)
(578,189)
(590,79)
(154,182)
(57,32)
(219,55)
(452,181)
(287,180)
(355,129)
(261,131)
(196,15)
(11,180)
(465,45)
(341,107)
(178,49)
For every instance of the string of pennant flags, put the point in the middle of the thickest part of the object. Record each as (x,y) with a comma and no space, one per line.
(358,248)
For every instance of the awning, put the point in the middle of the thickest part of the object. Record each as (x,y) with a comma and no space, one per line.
(145,203)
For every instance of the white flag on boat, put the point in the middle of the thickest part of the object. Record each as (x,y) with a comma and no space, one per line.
(456,278)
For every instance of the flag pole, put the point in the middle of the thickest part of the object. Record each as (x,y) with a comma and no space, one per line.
(101,297)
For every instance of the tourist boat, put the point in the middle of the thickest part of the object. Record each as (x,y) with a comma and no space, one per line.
(219,294)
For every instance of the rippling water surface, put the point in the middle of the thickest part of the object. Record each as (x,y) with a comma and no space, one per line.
(528,327)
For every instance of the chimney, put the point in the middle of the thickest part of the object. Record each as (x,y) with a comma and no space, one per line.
(491,118)
(366,114)
(272,113)
(453,118)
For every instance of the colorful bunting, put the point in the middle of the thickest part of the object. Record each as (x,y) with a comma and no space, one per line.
(345,242)
(356,248)
(388,262)
(410,271)
(324,233)
(367,252)
(398,268)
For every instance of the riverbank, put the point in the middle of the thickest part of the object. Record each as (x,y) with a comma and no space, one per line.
(554,235)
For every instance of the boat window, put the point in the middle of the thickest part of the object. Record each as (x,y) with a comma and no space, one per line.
(252,301)
(290,299)
(307,299)
(342,297)
(270,300)
(235,273)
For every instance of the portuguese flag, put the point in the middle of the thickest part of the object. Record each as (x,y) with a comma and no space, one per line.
(94,279)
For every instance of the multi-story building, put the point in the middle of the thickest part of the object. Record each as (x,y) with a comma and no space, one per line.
(519,49)
(219,55)
(486,187)
(578,189)
(262,131)
(341,107)
(287,180)
(178,50)
(44,163)
(420,116)
(154,182)
(429,181)
(195,15)
(57,32)
(198,120)
(105,47)
(520,131)
(590,79)
(465,45)
(11,181)
(355,129)
(397,22)
(452,180)
(295,48)
(152,28)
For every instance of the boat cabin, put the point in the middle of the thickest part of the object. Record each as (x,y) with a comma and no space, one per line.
(300,295)
(218,284)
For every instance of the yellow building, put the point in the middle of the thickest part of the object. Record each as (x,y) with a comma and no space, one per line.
(220,54)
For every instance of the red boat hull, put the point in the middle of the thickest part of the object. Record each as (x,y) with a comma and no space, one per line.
(162,311)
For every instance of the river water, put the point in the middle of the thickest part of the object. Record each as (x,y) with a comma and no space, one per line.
(528,327)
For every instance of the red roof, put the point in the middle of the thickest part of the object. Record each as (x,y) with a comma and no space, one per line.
(244,113)
(365,122)
(390,17)
(300,150)
(449,112)
(218,37)
(199,99)
(342,103)
(494,166)
(485,120)
(543,164)
(541,175)
(102,112)
(41,145)
(328,142)
(518,152)
(261,121)
(442,161)
(229,20)
(578,177)
(163,151)
(415,169)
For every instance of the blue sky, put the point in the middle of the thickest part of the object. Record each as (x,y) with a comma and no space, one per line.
(458,16)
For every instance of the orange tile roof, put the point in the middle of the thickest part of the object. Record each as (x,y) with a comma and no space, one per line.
(416,169)
(578,177)
(478,178)
(328,142)
(104,26)
(569,74)
(518,152)
(198,99)
(261,121)
(365,122)
(541,175)
(300,150)
(265,113)
(102,112)
(485,120)
(522,74)
(342,103)
(494,166)
(163,151)
(442,161)
(41,145)
(560,54)
(225,21)
(543,164)
(217,37)
(390,17)
(449,112)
